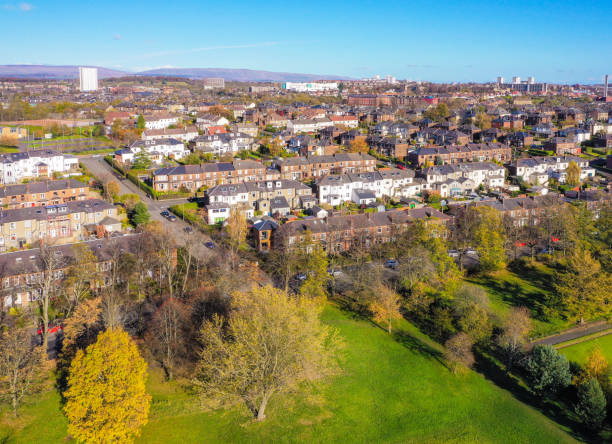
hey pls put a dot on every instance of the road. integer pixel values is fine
(102, 170)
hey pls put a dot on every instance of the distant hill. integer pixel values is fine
(240, 75)
(53, 72)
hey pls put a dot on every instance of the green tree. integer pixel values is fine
(140, 123)
(142, 161)
(489, 239)
(140, 214)
(583, 287)
(591, 406)
(548, 370)
(471, 306)
(106, 400)
(573, 174)
(269, 344)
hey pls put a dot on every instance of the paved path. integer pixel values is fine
(575, 333)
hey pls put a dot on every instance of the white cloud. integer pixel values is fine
(24, 7)
(117, 37)
(208, 48)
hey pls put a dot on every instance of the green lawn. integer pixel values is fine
(392, 390)
(527, 287)
(579, 352)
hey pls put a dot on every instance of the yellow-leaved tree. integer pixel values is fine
(269, 344)
(106, 400)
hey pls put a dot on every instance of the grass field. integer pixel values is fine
(579, 352)
(391, 390)
(523, 287)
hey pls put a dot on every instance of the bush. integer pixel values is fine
(591, 406)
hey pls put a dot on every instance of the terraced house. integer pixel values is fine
(15, 167)
(472, 152)
(68, 222)
(299, 168)
(341, 233)
(538, 170)
(194, 177)
(48, 192)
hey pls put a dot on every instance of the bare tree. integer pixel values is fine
(19, 364)
(166, 330)
(44, 283)
(458, 352)
(516, 328)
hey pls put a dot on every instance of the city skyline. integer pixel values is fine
(447, 43)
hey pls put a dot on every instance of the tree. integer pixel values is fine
(166, 331)
(591, 406)
(483, 121)
(386, 306)
(140, 123)
(236, 231)
(140, 214)
(471, 305)
(106, 400)
(314, 264)
(19, 364)
(270, 343)
(596, 366)
(129, 200)
(142, 161)
(358, 145)
(489, 239)
(573, 174)
(515, 330)
(82, 275)
(548, 370)
(111, 189)
(582, 287)
(458, 352)
(275, 148)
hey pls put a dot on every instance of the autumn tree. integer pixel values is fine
(106, 400)
(515, 332)
(358, 145)
(596, 366)
(483, 121)
(458, 352)
(19, 365)
(314, 264)
(275, 148)
(573, 174)
(386, 306)
(236, 229)
(583, 287)
(111, 190)
(269, 344)
(489, 239)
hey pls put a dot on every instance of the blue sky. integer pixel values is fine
(555, 41)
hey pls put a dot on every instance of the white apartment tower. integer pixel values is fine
(88, 78)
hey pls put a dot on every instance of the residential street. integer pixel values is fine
(101, 170)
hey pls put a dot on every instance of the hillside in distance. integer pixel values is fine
(53, 71)
(239, 75)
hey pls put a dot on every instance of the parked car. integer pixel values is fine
(165, 214)
(335, 273)
(301, 276)
(209, 244)
(453, 253)
(391, 263)
(188, 229)
(172, 218)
